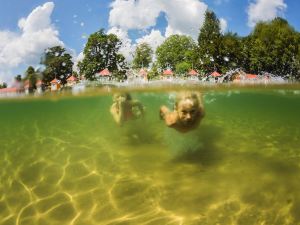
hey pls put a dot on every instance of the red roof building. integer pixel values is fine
(168, 72)
(55, 85)
(27, 84)
(215, 74)
(143, 72)
(39, 83)
(54, 81)
(9, 90)
(251, 76)
(72, 79)
(105, 72)
(193, 73)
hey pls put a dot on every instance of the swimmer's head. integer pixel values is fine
(121, 96)
(188, 107)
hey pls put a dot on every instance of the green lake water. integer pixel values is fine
(64, 160)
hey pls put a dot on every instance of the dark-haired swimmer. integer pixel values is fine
(124, 108)
(188, 112)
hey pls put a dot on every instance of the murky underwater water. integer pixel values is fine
(65, 161)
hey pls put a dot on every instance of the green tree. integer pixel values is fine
(297, 61)
(3, 85)
(274, 47)
(231, 52)
(75, 74)
(58, 64)
(100, 52)
(18, 78)
(154, 72)
(246, 46)
(174, 50)
(183, 67)
(32, 76)
(142, 56)
(209, 42)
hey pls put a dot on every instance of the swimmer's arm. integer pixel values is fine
(170, 118)
(163, 111)
(117, 113)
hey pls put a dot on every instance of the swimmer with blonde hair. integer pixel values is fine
(188, 112)
(124, 108)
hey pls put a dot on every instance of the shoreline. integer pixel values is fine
(108, 89)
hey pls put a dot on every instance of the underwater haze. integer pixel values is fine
(64, 160)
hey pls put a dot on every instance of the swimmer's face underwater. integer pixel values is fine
(188, 111)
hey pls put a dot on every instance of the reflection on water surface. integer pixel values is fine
(68, 162)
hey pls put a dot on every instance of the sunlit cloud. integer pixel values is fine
(133, 14)
(143, 14)
(223, 24)
(265, 10)
(154, 39)
(25, 47)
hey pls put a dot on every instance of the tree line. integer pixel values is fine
(272, 47)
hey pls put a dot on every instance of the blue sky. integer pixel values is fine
(27, 27)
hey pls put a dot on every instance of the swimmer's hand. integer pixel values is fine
(164, 112)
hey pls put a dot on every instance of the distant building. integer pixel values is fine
(9, 92)
(251, 76)
(214, 77)
(266, 77)
(27, 87)
(71, 81)
(241, 76)
(55, 85)
(18, 85)
(104, 75)
(39, 86)
(167, 74)
(143, 75)
(236, 78)
(192, 75)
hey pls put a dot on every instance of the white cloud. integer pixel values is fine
(25, 47)
(223, 24)
(38, 19)
(127, 47)
(133, 14)
(183, 16)
(154, 39)
(76, 60)
(264, 10)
